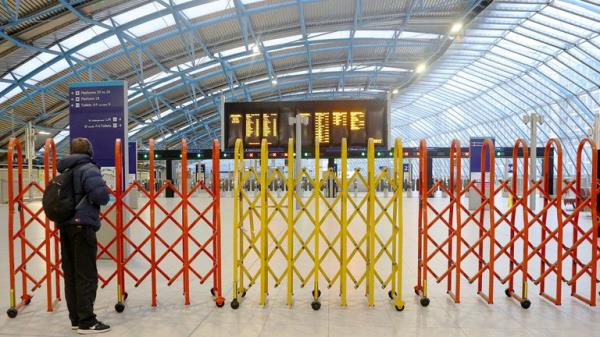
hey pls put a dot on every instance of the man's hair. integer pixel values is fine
(82, 145)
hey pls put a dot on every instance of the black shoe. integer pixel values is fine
(74, 325)
(99, 327)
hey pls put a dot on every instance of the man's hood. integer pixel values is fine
(73, 160)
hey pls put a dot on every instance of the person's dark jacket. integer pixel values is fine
(87, 182)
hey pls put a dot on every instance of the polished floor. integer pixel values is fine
(471, 318)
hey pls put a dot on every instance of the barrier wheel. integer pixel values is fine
(119, 307)
(392, 294)
(399, 308)
(220, 302)
(244, 294)
(424, 301)
(316, 305)
(213, 292)
(235, 304)
(318, 293)
(508, 292)
(525, 304)
(417, 291)
(125, 295)
(12, 312)
(28, 301)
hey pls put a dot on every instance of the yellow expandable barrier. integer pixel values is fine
(315, 238)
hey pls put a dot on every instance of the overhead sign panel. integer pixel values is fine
(98, 111)
(329, 122)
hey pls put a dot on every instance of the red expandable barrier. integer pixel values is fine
(195, 233)
(505, 242)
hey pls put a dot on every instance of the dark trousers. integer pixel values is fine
(79, 249)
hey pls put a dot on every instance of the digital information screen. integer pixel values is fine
(329, 122)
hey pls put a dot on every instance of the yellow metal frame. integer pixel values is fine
(379, 211)
(264, 168)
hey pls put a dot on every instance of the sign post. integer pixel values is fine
(98, 111)
(298, 121)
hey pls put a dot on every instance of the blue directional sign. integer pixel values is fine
(475, 148)
(98, 111)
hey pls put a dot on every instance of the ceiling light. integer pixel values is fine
(395, 91)
(456, 28)
(44, 133)
(421, 68)
(256, 49)
(274, 81)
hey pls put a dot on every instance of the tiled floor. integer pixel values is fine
(471, 318)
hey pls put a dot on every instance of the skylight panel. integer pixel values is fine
(282, 40)
(327, 69)
(81, 37)
(207, 8)
(233, 51)
(295, 73)
(10, 94)
(61, 136)
(136, 129)
(394, 69)
(342, 34)
(418, 36)
(374, 34)
(43, 74)
(136, 13)
(152, 25)
(248, 2)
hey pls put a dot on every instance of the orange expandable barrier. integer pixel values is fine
(515, 244)
(195, 219)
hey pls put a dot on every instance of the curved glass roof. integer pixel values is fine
(514, 59)
(180, 56)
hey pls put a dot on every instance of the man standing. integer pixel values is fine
(78, 237)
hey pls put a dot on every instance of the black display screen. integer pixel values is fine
(328, 122)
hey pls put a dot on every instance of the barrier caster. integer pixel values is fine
(213, 292)
(424, 301)
(316, 305)
(399, 308)
(220, 302)
(525, 304)
(417, 291)
(28, 301)
(235, 304)
(125, 295)
(119, 307)
(508, 292)
(391, 294)
(318, 293)
(12, 312)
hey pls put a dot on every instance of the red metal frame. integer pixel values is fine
(192, 215)
(487, 250)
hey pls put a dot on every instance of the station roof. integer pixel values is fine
(179, 56)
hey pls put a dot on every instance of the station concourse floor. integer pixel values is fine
(471, 318)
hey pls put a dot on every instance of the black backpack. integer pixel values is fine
(59, 197)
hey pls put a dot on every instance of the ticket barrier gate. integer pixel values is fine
(196, 221)
(518, 244)
(356, 238)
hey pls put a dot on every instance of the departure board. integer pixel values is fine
(252, 135)
(329, 122)
(270, 128)
(339, 125)
(322, 127)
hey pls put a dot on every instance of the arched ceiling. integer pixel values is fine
(180, 56)
(515, 58)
